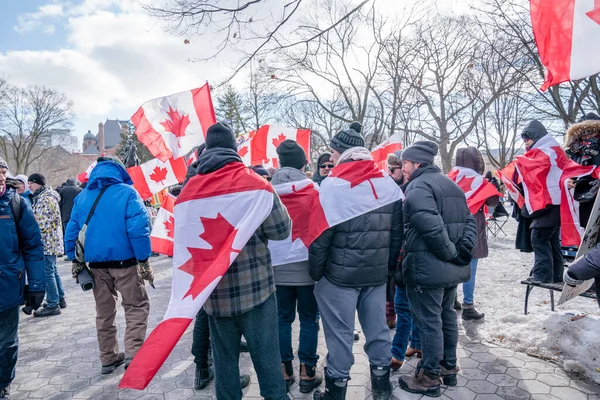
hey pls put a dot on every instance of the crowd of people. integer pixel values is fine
(396, 267)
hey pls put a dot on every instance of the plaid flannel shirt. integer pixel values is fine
(249, 281)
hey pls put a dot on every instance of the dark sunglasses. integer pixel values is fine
(326, 166)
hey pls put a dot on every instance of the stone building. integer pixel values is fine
(107, 139)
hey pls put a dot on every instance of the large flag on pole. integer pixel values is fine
(352, 189)
(567, 34)
(390, 145)
(477, 189)
(265, 141)
(163, 229)
(155, 175)
(298, 198)
(545, 170)
(215, 216)
(171, 126)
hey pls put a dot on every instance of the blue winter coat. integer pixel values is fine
(20, 254)
(120, 227)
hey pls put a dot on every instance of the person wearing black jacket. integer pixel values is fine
(440, 235)
(585, 268)
(67, 199)
(351, 263)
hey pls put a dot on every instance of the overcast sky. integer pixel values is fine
(108, 56)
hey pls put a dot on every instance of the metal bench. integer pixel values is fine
(552, 287)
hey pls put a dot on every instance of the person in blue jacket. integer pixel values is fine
(21, 255)
(116, 251)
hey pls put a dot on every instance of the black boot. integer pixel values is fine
(457, 305)
(203, 377)
(469, 313)
(380, 383)
(334, 390)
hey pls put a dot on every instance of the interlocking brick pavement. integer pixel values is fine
(58, 359)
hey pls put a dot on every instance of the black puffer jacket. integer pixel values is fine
(360, 252)
(436, 216)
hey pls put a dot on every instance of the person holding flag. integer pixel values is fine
(352, 260)
(290, 258)
(470, 161)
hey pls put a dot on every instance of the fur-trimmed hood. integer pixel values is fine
(588, 124)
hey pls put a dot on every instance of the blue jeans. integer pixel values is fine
(469, 287)
(259, 327)
(288, 297)
(433, 312)
(9, 345)
(405, 326)
(54, 288)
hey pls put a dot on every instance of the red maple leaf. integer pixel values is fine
(177, 124)
(595, 13)
(299, 213)
(357, 173)
(243, 151)
(169, 226)
(206, 265)
(158, 174)
(466, 183)
(278, 140)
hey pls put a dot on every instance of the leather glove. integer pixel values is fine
(463, 254)
(76, 268)
(35, 299)
(569, 280)
(145, 272)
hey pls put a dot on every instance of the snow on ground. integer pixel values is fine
(573, 342)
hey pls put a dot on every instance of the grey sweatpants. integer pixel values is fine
(337, 306)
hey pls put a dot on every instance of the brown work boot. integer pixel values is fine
(396, 364)
(309, 378)
(421, 383)
(288, 374)
(448, 374)
(410, 352)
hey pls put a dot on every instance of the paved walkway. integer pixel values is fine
(58, 359)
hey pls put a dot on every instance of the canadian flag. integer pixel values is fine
(163, 230)
(390, 145)
(172, 126)
(477, 189)
(567, 34)
(245, 150)
(215, 216)
(85, 175)
(266, 140)
(155, 175)
(544, 170)
(513, 191)
(192, 158)
(298, 198)
(352, 189)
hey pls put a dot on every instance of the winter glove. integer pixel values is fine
(34, 299)
(145, 272)
(463, 254)
(570, 280)
(76, 268)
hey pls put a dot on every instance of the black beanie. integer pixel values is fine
(260, 170)
(348, 138)
(37, 178)
(291, 154)
(421, 152)
(220, 135)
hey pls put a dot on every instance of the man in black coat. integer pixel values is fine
(440, 234)
(67, 199)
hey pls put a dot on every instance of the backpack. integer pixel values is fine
(15, 205)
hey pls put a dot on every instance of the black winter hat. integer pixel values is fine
(348, 138)
(534, 130)
(37, 178)
(590, 117)
(260, 170)
(422, 152)
(220, 135)
(291, 154)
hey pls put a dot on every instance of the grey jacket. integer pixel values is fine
(294, 274)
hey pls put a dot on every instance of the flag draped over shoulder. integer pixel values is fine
(567, 35)
(298, 198)
(544, 171)
(171, 126)
(390, 145)
(215, 216)
(477, 189)
(505, 176)
(352, 189)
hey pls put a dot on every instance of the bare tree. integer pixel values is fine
(29, 120)
(261, 99)
(255, 28)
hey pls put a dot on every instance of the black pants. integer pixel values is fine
(201, 339)
(548, 265)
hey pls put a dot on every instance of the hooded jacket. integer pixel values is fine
(46, 209)
(119, 229)
(470, 157)
(67, 199)
(21, 252)
(436, 217)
